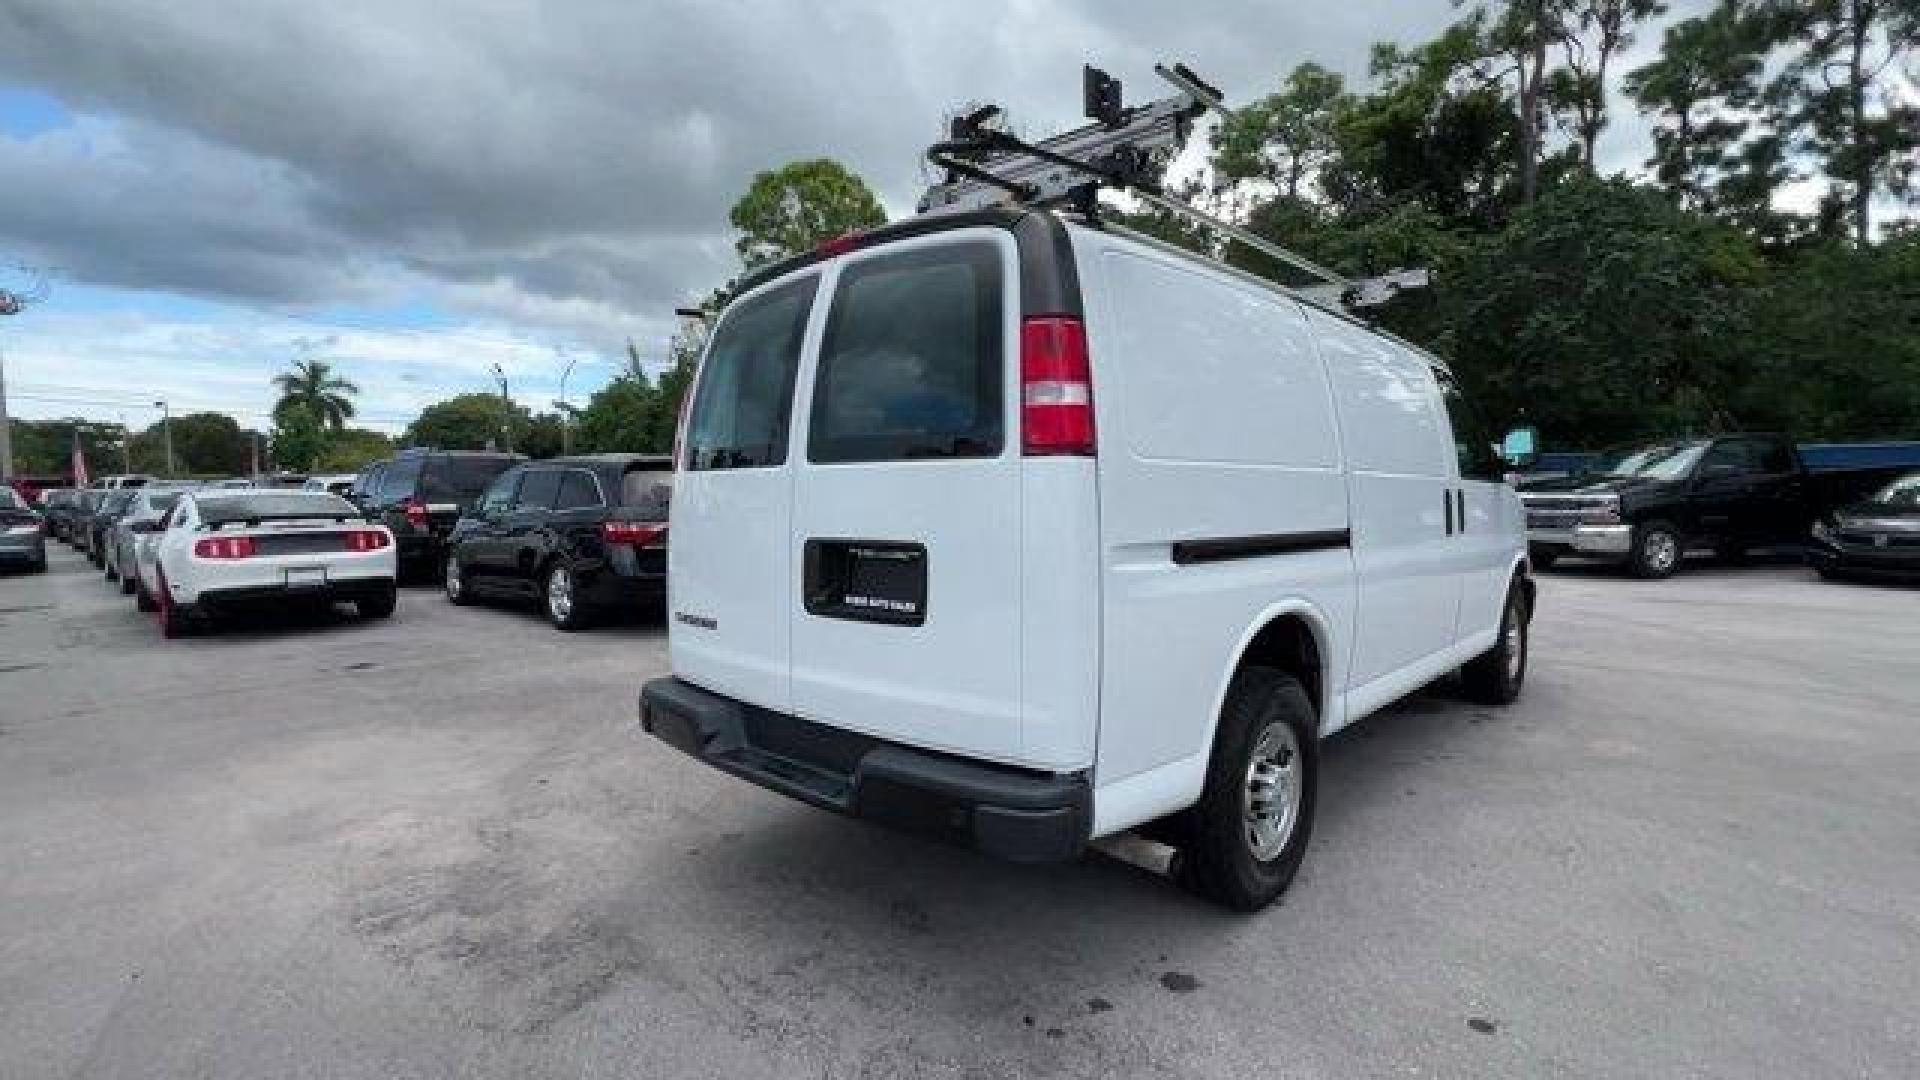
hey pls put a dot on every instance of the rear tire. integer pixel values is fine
(560, 598)
(1247, 835)
(380, 607)
(175, 621)
(1496, 676)
(143, 600)
(454, 582)
(1657, 549)
(128, 586)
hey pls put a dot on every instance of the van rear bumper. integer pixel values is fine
(1013, 814)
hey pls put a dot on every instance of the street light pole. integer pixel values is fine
(506, 410)
(166, 430)
(566, 417)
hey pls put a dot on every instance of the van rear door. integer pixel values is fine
(907, 498)
(731, 569)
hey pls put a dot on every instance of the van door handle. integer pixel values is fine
(1446, 502)
(1460, 512)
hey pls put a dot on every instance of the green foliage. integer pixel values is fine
(299, 441)
(352, 449)
(477, 421)
(619, 417)
(794, 208)
(312, 386)
(45, 447)
(204, 444)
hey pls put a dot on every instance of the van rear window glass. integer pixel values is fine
(460, 479)
(912, 360)
(742, 405)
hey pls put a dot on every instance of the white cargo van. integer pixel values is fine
(1011, 528)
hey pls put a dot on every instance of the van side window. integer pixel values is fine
(745, 396)
(911, 363)
(1472, 439)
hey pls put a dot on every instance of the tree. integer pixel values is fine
(793, 209)
(476, 421)
(1703, 91)
(298, 441)
(1596, 31)
(619, 417)
(204, 444)
(1605, 312)
(1833, 93)
(1283, 138)
(1434, 132)
(1516, 37)
(353, 449)
(311, 385)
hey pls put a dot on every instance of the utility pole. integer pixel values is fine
(166, 431)
(13, 303)
(506, 410)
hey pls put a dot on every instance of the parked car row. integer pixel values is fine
(581, 536)
(195, 553)
(1644, 506)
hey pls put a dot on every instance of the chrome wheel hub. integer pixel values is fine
(1271, 803)
(1516, 643)
(1662, 550)
(560, 593)
(453, 582)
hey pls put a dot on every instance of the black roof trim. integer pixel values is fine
(1049, 283)
(920, 225)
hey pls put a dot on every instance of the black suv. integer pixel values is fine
(420, 494)
(579, 534)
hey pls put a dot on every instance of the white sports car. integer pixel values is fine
(222, 550)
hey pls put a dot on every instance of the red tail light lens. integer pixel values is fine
(367, 540)
(634, 533)
(225, 547)
(416, 512)
(1056, 388)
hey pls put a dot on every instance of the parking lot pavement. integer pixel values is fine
(436, 847)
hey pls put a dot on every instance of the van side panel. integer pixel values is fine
(1222, 497)
(1402, 476)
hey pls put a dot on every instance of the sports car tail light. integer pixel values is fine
(367, 540)
(416, 512)
(225, 547)
(637, 534)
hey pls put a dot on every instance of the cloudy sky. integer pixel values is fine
(417, 190)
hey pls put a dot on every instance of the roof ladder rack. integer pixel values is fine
(987, 167)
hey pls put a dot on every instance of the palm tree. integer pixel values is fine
(311, 385)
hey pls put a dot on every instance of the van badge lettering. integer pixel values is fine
(701, 621)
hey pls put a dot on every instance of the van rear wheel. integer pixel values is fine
(1248, 834)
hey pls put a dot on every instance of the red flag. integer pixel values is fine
(80, 478)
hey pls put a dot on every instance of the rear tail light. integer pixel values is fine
(416, 512)
(368, 540)
(634, 533)
(1056, 388)
(225, 547)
